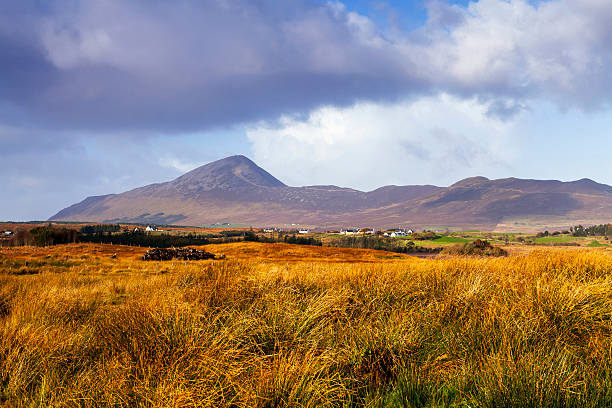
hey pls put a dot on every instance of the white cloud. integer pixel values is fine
(559, 50)
(437, 139)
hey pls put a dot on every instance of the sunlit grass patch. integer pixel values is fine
(295, 326)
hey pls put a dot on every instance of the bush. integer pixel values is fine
(140, 238)
(250, 236)
(92, 229)
(477, 248)
(45, 236)
(293, 239)
(425, 236)
(167, 254)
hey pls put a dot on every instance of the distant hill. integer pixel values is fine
(238, 191)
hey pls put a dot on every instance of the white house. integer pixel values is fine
(150, 228)
(304, 231)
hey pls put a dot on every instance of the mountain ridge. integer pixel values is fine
(236, 190)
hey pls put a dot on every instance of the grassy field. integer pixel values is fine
(288, 325)
(597, 244)
(451, 240)
(559, 238)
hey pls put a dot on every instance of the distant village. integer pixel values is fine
(350, 231)
(398, 232)
(149, 228)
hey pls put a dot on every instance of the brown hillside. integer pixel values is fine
(237, 191)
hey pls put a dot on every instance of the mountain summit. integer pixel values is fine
(236, 190)
(234, 172)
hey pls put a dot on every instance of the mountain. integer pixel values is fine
(236, 190)
(509, 204)
(232, 173)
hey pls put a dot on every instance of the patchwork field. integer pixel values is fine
(290, 325)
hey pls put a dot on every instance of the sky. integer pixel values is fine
(102, 96)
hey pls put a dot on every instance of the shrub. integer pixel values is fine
(140, 238)
(425, 236)
(92, 229)
(478, 248)
(44, 236)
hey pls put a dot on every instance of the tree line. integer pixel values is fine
(284, 238)
(594, 230)
(380, 243)
(93, 229)
(112, 234)
(144, 239)
(43, 236)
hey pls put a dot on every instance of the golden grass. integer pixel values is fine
(277, 325)
(280, 252)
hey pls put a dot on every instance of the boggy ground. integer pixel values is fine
(304, 328)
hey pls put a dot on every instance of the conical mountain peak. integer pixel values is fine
(230, 173)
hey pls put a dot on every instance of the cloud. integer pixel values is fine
(189, 65)
(437, 139)
(194, 65)
(558, 50)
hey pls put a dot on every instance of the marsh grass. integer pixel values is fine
(530, 330)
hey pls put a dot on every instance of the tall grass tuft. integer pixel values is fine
(532, 330)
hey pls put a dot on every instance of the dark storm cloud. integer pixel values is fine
(186, 65)
(193, 65)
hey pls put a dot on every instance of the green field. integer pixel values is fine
(461, 237)
(558, 239)
(451, 240)
(596, 244)
(443, 240)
